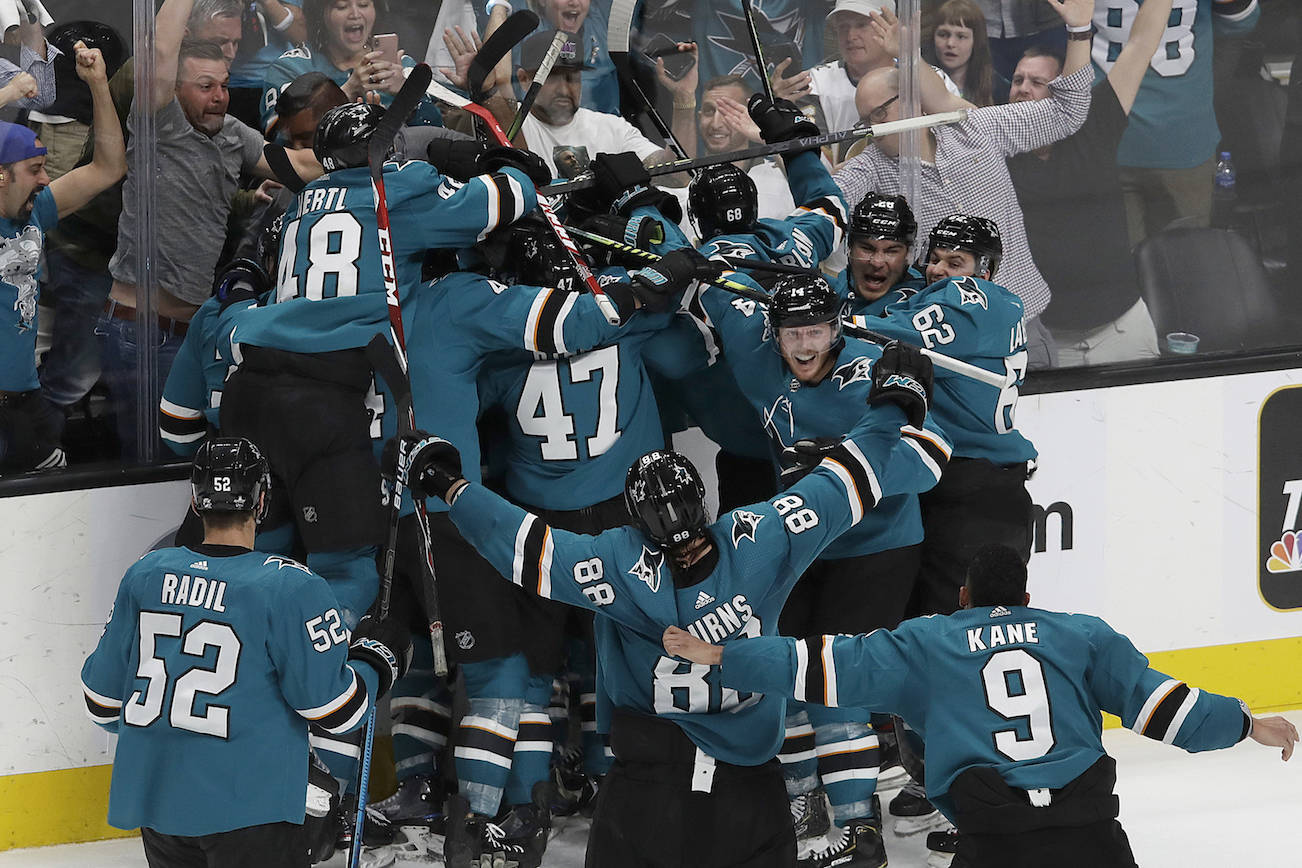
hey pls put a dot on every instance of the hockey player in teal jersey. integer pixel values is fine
(573, 426)
(1008, 699)
(455, 324)
(982, 497)
(963, 314)
(674, 733)
(214, 661)
(807, 384)
(723, 202)
(878, 274)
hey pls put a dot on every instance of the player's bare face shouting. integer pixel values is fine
(877, 264)
(807, 350)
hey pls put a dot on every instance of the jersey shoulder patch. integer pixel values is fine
(281, 562)
(857, 370)
(648, 568)
(723, 247)
(970, 293)
(744, 523)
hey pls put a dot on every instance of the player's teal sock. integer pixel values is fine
(798, 757)
(531, 763)
(848, 760)
(421, 709)
(487, 733)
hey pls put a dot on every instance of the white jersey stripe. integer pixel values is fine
(1178, 721)
(1146, 711)
(517, 562)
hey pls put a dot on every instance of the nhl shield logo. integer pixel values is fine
(744, 523)
(647, 568)
(465, 640)
(857, 370)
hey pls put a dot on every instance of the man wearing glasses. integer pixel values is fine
(963, 167)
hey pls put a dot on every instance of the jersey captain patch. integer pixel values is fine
(647, 568)
(743, 526)
(857, 370)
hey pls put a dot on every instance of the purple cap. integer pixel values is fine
(18, 143)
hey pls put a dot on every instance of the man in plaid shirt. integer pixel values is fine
(963, 167)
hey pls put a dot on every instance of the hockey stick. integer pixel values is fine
(761, 68)
(621, 20)
(539, 79)
(510, 33)
(848, 326)
(889, 128)
(577, 261)
(377, 150)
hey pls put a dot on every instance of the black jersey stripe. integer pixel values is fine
(1160, 720)
(856, 465)
(531, 558)
(99, 712)
(829, 206)
(545, 330)
(934, 448)
(346, 715)
(510, 203)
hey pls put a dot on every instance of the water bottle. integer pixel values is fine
(1223, 192)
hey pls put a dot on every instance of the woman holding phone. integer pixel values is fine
(341, 44)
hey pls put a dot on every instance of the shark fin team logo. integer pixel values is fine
(647, 568)
(970, 293)
(857, 370)
(744, 523)
(281, 562)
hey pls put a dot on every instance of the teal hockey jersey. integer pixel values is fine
(981, 323)
(330, 286)
(214, 661)
(1016, 689)
(627, 581)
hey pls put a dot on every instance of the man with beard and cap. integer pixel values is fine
(30, 204)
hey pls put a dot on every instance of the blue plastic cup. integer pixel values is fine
(1182, 343)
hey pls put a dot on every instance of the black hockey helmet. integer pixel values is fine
(722, 199)
(880, 216)
(975, 235)
(230, 475)
(527, 252)
(665, 496)
(344, 133)
(802, 300)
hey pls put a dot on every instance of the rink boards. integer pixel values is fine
(1148, 504)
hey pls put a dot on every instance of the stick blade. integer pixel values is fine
(511, 33)
(404, 105)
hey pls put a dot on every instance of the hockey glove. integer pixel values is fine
(623, 185)
(499, 157)
(385, 645)
(456, 158)
(433, 464)
(242, 281)
(903, 376)
(780, 120)
(641, 231)
(803, 456)
(658, 285)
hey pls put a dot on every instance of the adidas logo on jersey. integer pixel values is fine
(199, 565)
(999, 612)
(703, 599)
